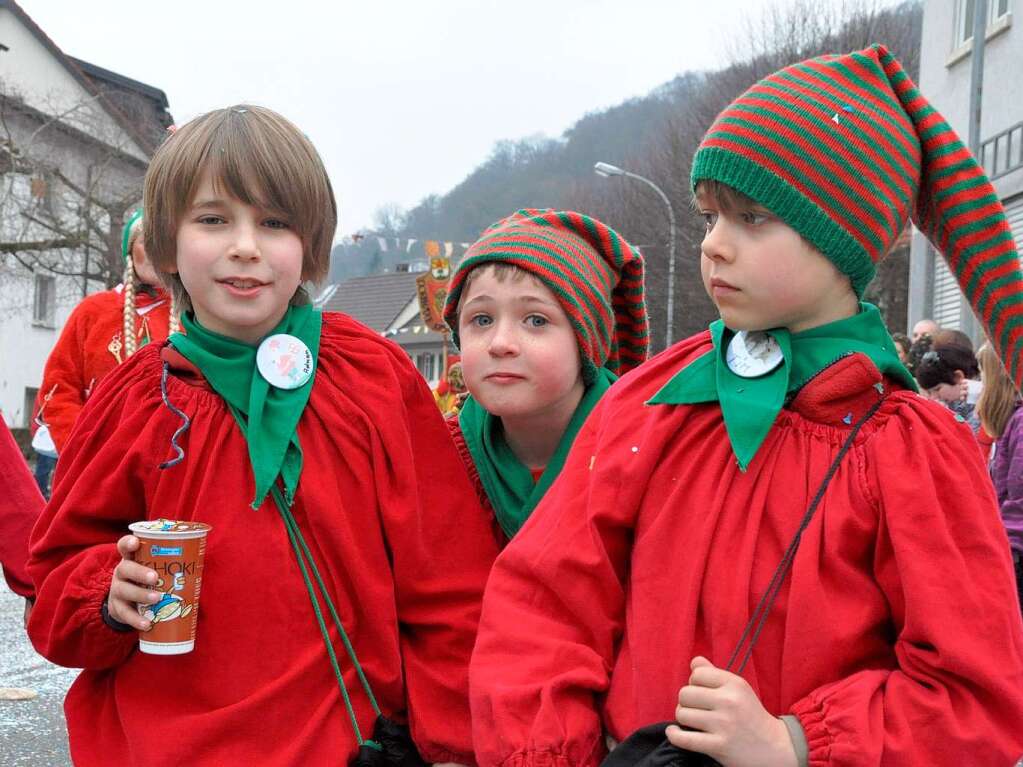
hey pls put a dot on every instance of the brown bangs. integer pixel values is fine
(726, 199)
(255, 155)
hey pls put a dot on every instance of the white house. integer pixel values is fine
(75, 140)
(947, 42)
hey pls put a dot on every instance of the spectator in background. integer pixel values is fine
(103, 330)
(949, 374)
(925, 328)
(952, 337)
(917, 350)
(902, 346)
(1002, 417)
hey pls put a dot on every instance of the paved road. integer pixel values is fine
(32, 732)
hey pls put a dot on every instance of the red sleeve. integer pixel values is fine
(64, 376)
(552, 615)
(100, 488)
(20, 506)
(442, 551)
(956, 696)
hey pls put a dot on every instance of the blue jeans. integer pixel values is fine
(44, 470)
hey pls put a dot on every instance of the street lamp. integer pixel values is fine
(607, 170)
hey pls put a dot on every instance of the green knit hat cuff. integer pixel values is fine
(813, 225)
(788, 204)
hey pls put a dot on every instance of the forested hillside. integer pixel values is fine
(654, 135)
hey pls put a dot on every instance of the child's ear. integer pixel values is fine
(959, 376)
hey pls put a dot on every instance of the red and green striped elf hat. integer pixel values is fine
(845, 149)
(595, 274)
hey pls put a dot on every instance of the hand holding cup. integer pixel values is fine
(131, 586)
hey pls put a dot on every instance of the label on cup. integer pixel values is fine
(175, 551)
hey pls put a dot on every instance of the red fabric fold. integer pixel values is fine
(20, 506)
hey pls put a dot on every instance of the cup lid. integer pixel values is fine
(170, 528)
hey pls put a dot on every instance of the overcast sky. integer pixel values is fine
(401, 98)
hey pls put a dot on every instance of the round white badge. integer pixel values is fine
(753, 354)
(284, 361)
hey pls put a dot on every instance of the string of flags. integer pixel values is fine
(405, 244)
(433, 248)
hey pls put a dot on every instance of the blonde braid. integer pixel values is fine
(173, 321)
(129, 308)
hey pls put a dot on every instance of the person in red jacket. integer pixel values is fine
(300, 437)
(895, 637)
(547, 309)
(102, 332)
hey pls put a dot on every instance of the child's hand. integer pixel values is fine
(128, 587)
(728, 722)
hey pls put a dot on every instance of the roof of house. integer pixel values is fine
(97, 82)
(374, 300)
(145, 105)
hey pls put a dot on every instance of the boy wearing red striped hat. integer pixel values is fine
(764, 534)
(547, 310)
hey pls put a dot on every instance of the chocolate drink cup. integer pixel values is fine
(176, 551)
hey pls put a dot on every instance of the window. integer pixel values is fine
(427, 365)
(996, 11)
(45, 305)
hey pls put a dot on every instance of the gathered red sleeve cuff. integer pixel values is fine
(956, 695)
(67, 626)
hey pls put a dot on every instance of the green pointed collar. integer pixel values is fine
(507, 481)
(750, 406)
(267, 415)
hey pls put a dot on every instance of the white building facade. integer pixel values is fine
(945, 76)
(71, 157)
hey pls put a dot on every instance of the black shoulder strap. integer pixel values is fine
(759, 616)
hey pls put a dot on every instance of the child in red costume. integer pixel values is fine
(895, 638)
(102, 332)
(547, 310)
(333, 432)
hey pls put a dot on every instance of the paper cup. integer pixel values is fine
(175, 550)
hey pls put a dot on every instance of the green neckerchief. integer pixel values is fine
(750, 406)
(507, 481)
(272, 413)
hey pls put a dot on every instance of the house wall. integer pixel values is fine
(945, 75)
(30, 71)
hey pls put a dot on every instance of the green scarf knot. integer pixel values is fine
(507, 481)
(272, 414)
(750, 406)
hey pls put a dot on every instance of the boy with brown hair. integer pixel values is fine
(547, 309)
(311, 445)
(764, 533)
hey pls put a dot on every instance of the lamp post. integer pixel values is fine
(606, 170)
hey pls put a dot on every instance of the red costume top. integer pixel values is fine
(386, 509)
(89, 347)
(896, 638)
(20, 505)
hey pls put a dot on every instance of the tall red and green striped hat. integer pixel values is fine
(845, 150)
(595, 274)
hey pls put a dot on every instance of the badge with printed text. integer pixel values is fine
(751, 354)
(284, 361)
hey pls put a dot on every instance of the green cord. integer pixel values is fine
(290, 521)
(302, 554)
